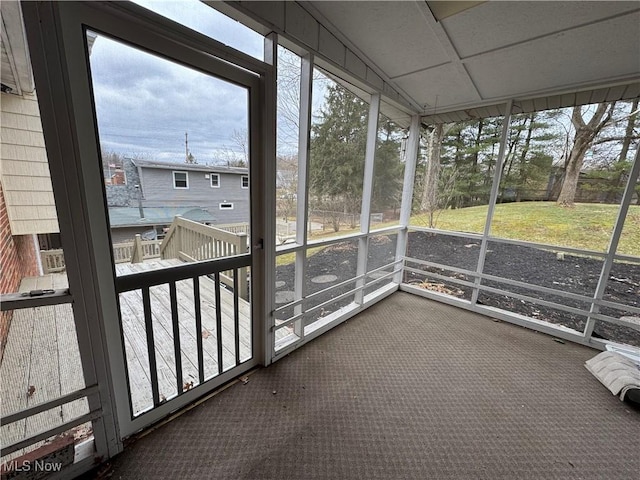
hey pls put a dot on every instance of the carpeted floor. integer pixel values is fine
(409, 389)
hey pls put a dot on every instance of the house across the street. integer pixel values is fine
(153, 192)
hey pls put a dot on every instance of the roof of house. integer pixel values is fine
(190, 167)
(130, 216)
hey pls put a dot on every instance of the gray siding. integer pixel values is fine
(158, 191)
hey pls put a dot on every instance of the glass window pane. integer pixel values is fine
(183, 150)
(441, 250)
(327, 267)
(207, 20)
(288, 119)
(336, 170)
(455, 173)
(388, 174)
(39, 351)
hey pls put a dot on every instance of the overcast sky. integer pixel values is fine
(145, 104)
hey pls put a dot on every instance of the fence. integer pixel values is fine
(328, 218)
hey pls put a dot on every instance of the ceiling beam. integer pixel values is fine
(450, 50)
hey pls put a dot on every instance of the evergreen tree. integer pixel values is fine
(338, 142)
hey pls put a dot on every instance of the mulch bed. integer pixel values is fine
(535, 266)
(567, 273)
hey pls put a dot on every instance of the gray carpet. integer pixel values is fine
(409, 389)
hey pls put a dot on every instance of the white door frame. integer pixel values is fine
(64, 89)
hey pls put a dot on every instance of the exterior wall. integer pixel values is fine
(124, 195)
(159, 192)
(25, 171)
(18, 260)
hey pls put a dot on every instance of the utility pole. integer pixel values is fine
(186, 147)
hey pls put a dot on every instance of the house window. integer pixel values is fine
(180, 180)
(215, 180)
(244, 181)
(226, 206)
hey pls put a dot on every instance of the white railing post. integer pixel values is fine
(492, 200)
(367, 194)
(137, 255)
(242, 283)
(411, 160)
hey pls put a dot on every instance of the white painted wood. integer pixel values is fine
(506, 121)
(411, 160)
(367, 193)
(331, 47)
(301, 25)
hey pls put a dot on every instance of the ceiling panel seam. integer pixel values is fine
(447, 44)
(551, 34)
(421, 70)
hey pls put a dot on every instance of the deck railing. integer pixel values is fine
(235, 228)
(53, 260)
(192, 242)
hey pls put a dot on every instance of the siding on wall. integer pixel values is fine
(25, 171)
(159, 192)
(18, 260)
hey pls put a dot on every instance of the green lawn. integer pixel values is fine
(586, 226)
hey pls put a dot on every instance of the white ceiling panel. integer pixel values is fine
(577, 57)
(438, 86)
(493, 25)
(393, 35)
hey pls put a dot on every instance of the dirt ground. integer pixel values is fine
(568, 273)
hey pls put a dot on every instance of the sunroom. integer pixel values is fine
(465, 169)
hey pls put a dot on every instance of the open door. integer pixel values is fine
(171, 216)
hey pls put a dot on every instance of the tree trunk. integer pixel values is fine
(429, 201)
(585, 133)
(631, 123)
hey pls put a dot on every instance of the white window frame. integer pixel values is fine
(242, 177)
(220, 206)
(186, 174)
(216, 175)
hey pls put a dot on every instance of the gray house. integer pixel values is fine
(221, 191)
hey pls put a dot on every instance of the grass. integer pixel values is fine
(587, 226)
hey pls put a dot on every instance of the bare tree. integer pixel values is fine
(584, 136)
(429, 201)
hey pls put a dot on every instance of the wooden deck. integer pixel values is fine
(41, 362)
(42, 348)
(135, 335)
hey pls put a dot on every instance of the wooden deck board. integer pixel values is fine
(44, 373)
(42, 348)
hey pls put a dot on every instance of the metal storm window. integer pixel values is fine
(215, 180)
(180, 180)
(226, 206)
(244, 181)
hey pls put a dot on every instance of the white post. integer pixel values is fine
(302, 214)
(492, 199)
(411, 160)
(367, 193)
